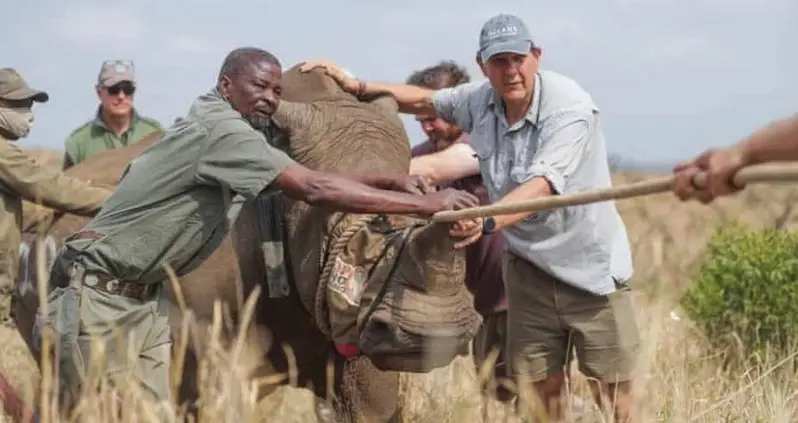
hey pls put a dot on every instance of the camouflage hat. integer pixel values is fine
(113, 72)
(14, 87)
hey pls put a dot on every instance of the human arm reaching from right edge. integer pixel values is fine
(776, 141)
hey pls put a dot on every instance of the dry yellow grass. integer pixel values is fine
(679, 378)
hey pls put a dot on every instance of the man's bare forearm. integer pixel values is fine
(344, 194)
(456, 162)
(410, 98)
(777, 141)
(354, 197)
(379, 181)
(534, 188)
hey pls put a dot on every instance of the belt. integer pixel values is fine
(113, 286)
(107, 283)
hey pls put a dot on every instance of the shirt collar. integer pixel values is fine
(496, 104)
(98, 118)
(215, 94)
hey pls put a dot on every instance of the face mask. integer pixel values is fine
(16, 121)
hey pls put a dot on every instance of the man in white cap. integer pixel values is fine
(537, 133)
(117, 123)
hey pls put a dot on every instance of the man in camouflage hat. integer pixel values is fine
(22, 177)
(117, 123)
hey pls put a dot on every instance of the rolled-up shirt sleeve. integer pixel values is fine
(563, 144)
(455, 105)
(244, 161)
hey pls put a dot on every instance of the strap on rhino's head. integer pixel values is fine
(397, 292)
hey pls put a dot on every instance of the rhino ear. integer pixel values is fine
(385, 103)
(300, 125)
(291, 117)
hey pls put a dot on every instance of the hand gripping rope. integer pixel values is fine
(772, 172)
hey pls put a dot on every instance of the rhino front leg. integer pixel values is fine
(361, 392)
(372, 395)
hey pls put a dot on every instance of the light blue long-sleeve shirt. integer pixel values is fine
(560, 139)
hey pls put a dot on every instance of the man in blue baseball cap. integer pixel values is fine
(504, 34)
(536, 133)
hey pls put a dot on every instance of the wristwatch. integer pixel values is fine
(488, 225)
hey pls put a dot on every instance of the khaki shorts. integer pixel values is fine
(549, 320)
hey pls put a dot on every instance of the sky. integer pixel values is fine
(671, 77)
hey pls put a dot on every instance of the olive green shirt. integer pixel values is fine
(172, 202)
(94, 136)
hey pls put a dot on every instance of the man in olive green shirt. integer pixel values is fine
(117, 122)
(170, 208)
(22, 177)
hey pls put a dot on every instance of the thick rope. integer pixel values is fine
(320, 309)
(753, 174)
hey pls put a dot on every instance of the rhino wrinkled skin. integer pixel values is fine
(341, 135)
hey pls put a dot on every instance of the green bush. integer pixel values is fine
(746, 290)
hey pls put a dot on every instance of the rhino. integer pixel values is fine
(413, 312)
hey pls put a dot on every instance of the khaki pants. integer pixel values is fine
(549, 320)
(81, 315)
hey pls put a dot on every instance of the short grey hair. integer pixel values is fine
(239, 58)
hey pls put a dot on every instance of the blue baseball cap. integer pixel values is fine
(504, 33)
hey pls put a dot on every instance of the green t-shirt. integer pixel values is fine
(93, 137)
(172, 202)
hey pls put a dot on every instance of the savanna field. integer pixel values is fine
(681, 377)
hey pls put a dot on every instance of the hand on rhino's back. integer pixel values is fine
(331, 130)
